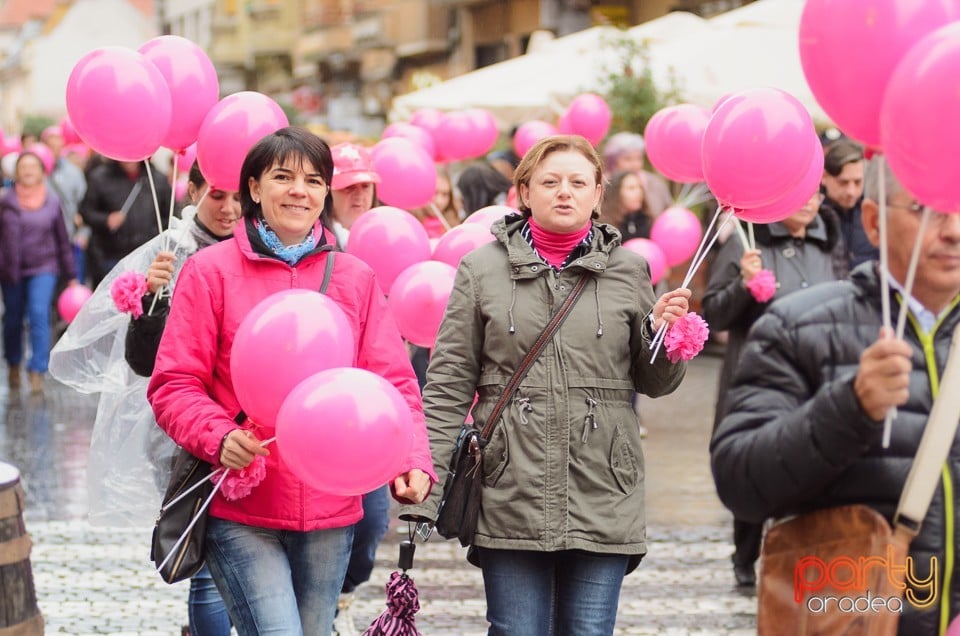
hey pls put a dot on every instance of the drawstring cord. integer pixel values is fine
(525, 407)
(596, 292)
(590, 420)
(513, 299)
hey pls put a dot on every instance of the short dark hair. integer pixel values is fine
(195, 176)
(277, 148)
(840, 153)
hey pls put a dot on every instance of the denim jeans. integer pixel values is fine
(569, 593)
(29, 298)
(278, 581)
(207, 611)
(367, 535)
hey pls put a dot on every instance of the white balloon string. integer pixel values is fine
(753, 239)
(193, 521)
(173, 197)
(744, 241)
(197, 205)
(904, 307)
(884, 281)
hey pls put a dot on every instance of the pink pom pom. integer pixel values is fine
(686, 337)
(127, 292)
(240, 483)
(763, 286)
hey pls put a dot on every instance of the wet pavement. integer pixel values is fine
(93, 580)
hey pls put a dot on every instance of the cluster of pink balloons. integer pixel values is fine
(126, 104)
(450, 136)
(896, 88)
(340, 429)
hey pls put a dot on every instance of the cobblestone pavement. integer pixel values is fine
(93, 580)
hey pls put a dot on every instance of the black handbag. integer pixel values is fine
(191, 476)
(459, 507)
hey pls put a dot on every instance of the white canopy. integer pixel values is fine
(750, 47)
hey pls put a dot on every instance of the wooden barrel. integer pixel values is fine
(19, 614)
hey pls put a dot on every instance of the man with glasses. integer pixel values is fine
(818, 374)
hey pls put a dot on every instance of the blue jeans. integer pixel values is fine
(207, 611)
(551, 593)
(280, 582)
(29, 298)
(367, 535)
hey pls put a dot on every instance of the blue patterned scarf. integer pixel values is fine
(290, 254)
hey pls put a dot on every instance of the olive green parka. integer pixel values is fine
(564, 468)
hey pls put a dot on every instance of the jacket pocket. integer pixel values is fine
(624, 463)
(496, 456)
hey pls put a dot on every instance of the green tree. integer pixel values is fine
(628, 87)
(35, 124)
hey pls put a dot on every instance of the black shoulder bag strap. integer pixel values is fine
(327, 275)
(521, 371)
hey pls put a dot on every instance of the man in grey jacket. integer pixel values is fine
(818, 374)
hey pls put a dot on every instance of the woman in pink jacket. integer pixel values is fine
(279, 554)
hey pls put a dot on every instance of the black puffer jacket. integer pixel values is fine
(795, 438)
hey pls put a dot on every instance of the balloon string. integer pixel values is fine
(753, 239)
(744, 240)
(884, 281)
(173, 196)
(904, 306)
(193, 521)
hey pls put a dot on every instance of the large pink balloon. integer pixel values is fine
(678, 232)
(192, 80)
(71, 301)
(652, 253)
(485, 131)
(389, 240)
(287, 337)
(416, 134)
(345, 431)
(230, 130)
(418, 299)
(674, 138)
(795, 199)
(486, 216)
(460, 241)
(429, 119)
(408, 177)
(756, 146)
(119, 103)
(588, 115)
(849, 50)
(919, 124)
(530, 133)
(454, 136)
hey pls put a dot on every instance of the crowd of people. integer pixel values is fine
(562, 520)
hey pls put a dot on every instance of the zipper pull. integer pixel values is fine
(590, 420)
(523, 403)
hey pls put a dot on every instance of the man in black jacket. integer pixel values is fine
(818, 374)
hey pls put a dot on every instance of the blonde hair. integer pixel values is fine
(557, 143)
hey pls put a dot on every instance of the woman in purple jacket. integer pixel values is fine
(34, 251)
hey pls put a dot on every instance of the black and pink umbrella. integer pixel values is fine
(403, 600)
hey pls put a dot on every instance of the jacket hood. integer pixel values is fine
(524, 263)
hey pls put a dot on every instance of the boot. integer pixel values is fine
(36, 382)
(13, 377)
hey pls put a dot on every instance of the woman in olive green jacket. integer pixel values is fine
(562, 514)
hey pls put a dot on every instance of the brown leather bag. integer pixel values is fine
(794, 578)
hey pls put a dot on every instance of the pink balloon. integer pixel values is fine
(871, 38)
(486, 216)
(230, 130)
(674, 138)
(186, 157)
(119, 103)
(287, 337)
(756, 147)
(192, 80)
(454, 136)
(485, 131)
(460, 241)
(563, 124)
(589, 116)
(652, 253)
(45, 154)
(12, 143)
(795, 199)
(389, 240)
(917, 141)
(418, 299)
(180, 189)
(953, 629)
(71, 301)
(529, 134)
(429, 119)
(70, 136)
(345, 431)
(408, 177)
(677, 231)
(416, 134)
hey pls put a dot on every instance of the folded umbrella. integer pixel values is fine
(403, 600)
